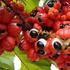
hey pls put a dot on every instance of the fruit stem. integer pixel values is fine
(25, 26)
(9, 7)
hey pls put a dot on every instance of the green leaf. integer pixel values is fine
(23, 67)
(39, 65)
(30, 4)
(6, 61)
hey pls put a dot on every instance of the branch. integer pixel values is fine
(24, 24)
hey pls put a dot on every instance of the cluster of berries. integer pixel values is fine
(9, 25)
(43, 33)
(49, 34)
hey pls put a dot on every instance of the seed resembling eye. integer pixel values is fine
(41, 43)
(41, 52)
(33, 33)
(57, 44)
(50, 3)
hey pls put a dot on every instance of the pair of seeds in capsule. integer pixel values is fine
(41, 43)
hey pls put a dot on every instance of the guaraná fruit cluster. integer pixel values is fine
(43, 33)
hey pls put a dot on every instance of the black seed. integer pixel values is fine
(40, 44)
(62, 25)
(20, 25)
(33, 34)
(2, 31)
(57, 46)
(33, 13)
(50, 4)
(42, 52)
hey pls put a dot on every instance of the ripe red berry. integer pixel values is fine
(64, 33)
(68, 15)
(25, 46)
(57, 5)
(8, 43)
(32, 55)
(5, 16)
(14, 30)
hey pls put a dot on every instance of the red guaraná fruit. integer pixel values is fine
(40, 48)
(68, 15)
(60, 62)
(32, 20)
(25, 46)
(57, 5)
(64, 1)
(5, 16)
(14, 29)
(54, 46)
(8, 43)
(67, 63)
(64, 33)
(53, 13)
(37, 26)
(65, 9)
(60, 25)
(17, 7)
(32, 55)
(41, 10)
(56, 25)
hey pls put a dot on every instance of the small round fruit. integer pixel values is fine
(8, 43)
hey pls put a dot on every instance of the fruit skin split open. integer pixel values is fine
(44, 33)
